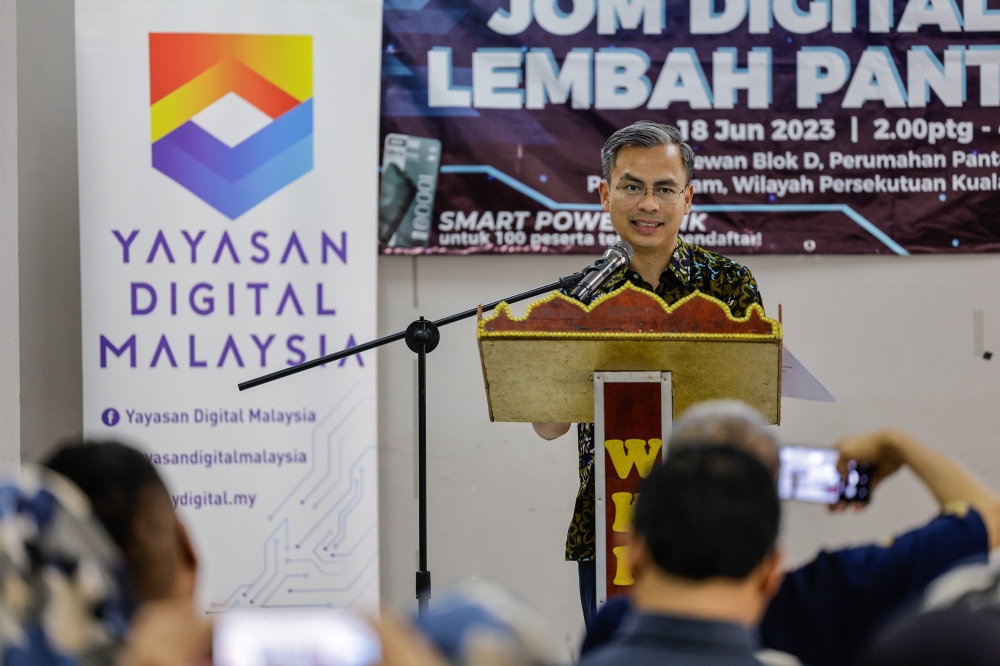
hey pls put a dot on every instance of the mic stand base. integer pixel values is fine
(423, 592)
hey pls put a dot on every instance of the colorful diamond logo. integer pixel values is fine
(231, 115)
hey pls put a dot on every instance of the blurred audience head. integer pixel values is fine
(727, 423)
(947, 637)
(957, 623)
(131, 501)
(482, 624)
(60, 575)
(704, 533)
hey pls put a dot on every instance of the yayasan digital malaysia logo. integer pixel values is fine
(232, 116)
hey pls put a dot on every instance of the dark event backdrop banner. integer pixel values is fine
(831, 126)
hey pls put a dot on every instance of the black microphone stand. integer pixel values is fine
(422, 337)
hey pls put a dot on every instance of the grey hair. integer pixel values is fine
(727, 423)
(647, 134)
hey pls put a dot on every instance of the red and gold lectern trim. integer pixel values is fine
(539, 367)
(630, 312)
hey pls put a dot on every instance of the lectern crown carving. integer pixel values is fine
(538, 367)
(629, 363)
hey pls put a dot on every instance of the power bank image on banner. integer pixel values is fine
(396, 193)
(409, 183)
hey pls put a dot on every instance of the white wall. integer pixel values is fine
(891, 337)
(49, 242)
(10, 417)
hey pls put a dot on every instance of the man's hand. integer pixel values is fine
(550, 430)
(880, 449)
(887, 450)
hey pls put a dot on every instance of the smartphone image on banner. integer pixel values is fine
(810, 475)
(407, 190)
(257, 638)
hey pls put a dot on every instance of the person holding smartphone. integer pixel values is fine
(827, 610)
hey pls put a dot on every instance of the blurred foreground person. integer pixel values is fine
(958, 624)
(472, 624)
(402, 645)
(952, 637)
(703, 556)
(482, 624)
(130, 499)
(61, 577)
(826, 610)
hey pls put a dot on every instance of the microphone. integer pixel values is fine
(615, 257)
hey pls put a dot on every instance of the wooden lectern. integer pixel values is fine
(630, 363)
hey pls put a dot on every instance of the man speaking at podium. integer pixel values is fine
(647, 189)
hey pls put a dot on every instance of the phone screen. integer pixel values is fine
(258, 638)
(810, 475)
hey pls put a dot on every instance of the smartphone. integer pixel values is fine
(810, 475)
(857, 485)
(261, 638)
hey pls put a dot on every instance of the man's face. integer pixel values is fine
(647, 223)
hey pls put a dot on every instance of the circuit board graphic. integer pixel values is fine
(322, 547)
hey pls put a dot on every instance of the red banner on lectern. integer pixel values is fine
(632, 446)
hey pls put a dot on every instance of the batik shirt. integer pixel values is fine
(62, 579)
(691, 269)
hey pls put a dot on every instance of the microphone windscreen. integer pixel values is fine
(623, 248)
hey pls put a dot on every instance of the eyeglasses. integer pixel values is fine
(632, 193)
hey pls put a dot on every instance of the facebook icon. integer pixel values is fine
(110, 417)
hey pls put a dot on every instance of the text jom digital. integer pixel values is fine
(831, 126)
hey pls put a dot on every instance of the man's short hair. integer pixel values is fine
(727, 423)
(708, 511)
(646, 134)
(112, 475)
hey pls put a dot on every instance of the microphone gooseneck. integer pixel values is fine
(615, 257)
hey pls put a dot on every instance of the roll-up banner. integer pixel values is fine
(826, 126)
(228, 189)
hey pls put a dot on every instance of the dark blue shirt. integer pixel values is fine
(665, 640)
(827, 610)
